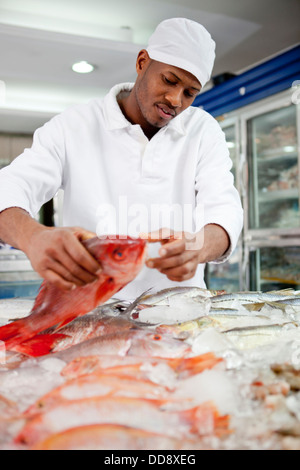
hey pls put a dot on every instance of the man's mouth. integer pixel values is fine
(165, 112)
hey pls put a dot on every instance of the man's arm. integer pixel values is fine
(182, 252)
(55, 253)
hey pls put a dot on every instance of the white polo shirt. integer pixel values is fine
(114, 178)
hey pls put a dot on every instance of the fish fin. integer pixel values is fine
(206, 420)
(64, 323)
(11, 334)
(197, 364)
(40, 345)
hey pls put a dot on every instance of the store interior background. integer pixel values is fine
(40, 40)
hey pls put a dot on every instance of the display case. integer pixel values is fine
(227, 276)
(273, 169)
(17, 278)
(263, 140)
(270, 132)
(274, 264)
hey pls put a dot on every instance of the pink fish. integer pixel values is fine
(121, 260)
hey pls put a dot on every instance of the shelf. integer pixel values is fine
(277, 154)
(270, 196)
(281, 281)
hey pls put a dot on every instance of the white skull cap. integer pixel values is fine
(185, 44)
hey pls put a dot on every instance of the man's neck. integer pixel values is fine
(132, 113)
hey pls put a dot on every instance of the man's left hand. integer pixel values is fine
(180, 253)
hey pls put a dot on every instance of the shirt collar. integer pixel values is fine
(115, 119)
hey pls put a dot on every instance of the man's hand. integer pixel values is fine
(181, 252)
(59, 257)
(55, 253)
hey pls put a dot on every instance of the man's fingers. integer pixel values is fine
(85, 264)
(181, 273)
(57, 280)
(67, 269)
(161, 235)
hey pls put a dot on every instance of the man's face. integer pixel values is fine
(162, 91)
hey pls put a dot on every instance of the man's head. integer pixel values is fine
(162, 91)
(185, 44)
(171, 72)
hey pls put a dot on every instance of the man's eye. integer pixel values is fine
(169, 82)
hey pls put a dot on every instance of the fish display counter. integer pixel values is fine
(180, 369)
(17, 277)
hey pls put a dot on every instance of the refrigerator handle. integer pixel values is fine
(245, 269)
(243, 171)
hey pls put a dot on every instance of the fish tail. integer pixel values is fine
(206, 420)
(40, 345)
(13, 333)
(197, 364)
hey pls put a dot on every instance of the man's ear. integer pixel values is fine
(142, 61)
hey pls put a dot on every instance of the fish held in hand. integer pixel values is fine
(121, 260)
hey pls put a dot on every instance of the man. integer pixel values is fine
(143, 144)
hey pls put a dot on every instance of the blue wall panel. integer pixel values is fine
(264, 80)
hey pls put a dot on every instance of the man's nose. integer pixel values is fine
(174, 97)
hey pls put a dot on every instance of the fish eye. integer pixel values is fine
(118, 254)
(157, 337)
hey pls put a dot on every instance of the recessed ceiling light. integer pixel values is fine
(83, 67)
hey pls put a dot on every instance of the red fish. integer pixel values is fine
(121, 260)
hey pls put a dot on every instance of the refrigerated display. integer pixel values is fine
(227, 276)
(263, 140)
(274, 267)
(272, 224)
(273, 170)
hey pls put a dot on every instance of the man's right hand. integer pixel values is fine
(58, 256)
(55, 253)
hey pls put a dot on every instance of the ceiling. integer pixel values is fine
(39, 41)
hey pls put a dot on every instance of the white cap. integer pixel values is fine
(185, 44)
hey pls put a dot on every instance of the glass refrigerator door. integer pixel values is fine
(273, 170)
(226, 276)
(275, 268)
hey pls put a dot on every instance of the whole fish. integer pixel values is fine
(114, 437)
(79, 330)
(137, 366)
(162, 297)
(96, 385)
(148, 415)
(121, 260)
(172, 297)
(243, 298)
(255, 336)
(136, 342)
(221, 322)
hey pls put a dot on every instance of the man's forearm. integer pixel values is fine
(16, 225)
(216, 242)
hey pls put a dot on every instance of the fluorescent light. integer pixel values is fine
(2, 92)
(289, 148)
(230, 145)
(82, 67)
